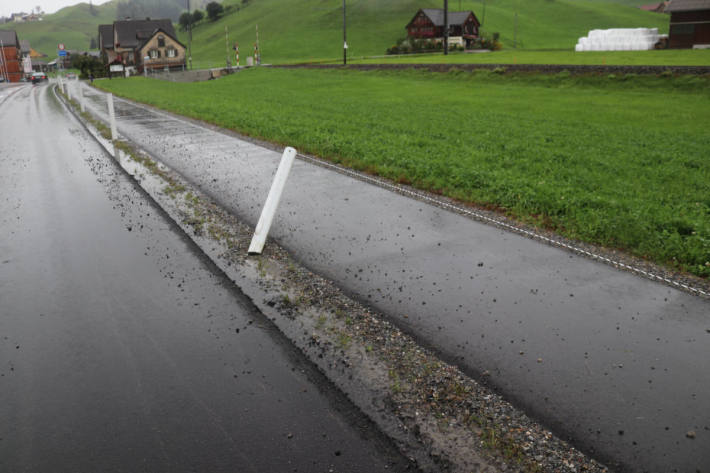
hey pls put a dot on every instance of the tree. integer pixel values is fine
(92, 44)
(197, 15)
(214, 10)
(185, 20)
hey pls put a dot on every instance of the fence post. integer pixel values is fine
(272, 202)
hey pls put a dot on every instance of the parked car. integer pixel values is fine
(71, 76)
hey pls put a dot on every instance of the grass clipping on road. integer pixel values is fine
(618, 161)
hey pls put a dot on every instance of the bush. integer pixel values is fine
(214, 10)
(87, 65)
(413, 45)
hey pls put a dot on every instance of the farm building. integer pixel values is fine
(690, 23)
(129, 42)
(655, 7)
(428, 23)
(10, 65)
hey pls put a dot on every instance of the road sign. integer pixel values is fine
(60, 46)
(62, 52)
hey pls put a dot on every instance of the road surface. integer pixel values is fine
(615, 362)
(123, 349)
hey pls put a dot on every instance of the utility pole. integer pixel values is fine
(226, 45)
(483, 20)
(189, 37)
(515, 29)
(446, 27)
(345, 39)
(258, 49)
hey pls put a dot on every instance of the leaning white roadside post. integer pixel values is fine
(272, 202)
(111, 117)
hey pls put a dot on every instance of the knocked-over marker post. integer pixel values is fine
(272, 202)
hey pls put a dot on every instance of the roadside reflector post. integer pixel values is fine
(272, 202)
(111, 117)
(81, 98)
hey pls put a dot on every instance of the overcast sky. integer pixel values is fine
(7, 7)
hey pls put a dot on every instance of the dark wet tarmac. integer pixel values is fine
(615, 362)
(121, 349)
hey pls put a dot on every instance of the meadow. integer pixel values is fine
(620, 161)
(312, 29)
(664, 57)
(73, 26)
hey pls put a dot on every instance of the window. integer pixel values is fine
(154, 54)
(172, 52)
(161, 41)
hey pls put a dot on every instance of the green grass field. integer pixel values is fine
(666, 57)
(313, 30)
(618, 161)
(74, 26)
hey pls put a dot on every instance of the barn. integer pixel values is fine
(428, 23)
(690, 23)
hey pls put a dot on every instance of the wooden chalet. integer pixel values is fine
(129, 42)
(10, 51)
(428, 23)
(690, 23)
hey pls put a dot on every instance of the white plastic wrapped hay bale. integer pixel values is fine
(619, 39)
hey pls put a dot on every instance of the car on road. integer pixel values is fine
(38, 77)
(71, 76)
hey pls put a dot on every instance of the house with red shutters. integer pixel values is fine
(428, 23)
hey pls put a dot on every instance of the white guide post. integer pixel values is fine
(272, 202)
(68, 90)
(81, 97)
(111, 117)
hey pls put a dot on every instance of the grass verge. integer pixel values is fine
(616, 161)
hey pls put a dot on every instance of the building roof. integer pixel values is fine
(9, 38)
(106, 36)
(655, 7)
(688, 5)
(131, 33)
(159, 30)
(436, 15)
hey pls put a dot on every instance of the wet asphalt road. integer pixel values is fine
(614, 362)
(122, 349)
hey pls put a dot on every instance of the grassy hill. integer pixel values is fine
(297, 30)
(74, 26)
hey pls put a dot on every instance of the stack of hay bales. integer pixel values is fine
(619, 39)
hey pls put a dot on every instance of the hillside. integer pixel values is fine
(74, 26)
(297, 30)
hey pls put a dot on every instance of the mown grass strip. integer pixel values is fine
(617, 161)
